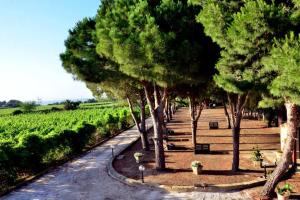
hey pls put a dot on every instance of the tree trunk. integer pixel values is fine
(236, 148)
(170, 111)
(281, 115)
(145, 143)
(141, 127)
(194, 133)
(195, 115)
(236, 141)
(167, 115)
(144, 135)
(236, 118)
(156, 105)
(286, 158)
(174, 108)
(160, 106)
(226, 114)
(158, 141)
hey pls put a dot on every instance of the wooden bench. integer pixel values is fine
(202, 148)
(213, 125)
(168, 146)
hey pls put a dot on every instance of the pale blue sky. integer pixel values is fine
(32, 34)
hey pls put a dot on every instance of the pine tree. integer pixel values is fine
(82, 61)
(284, 65)
(133, 41)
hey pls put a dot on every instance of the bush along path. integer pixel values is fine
(87, 178)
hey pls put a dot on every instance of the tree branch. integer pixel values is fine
(231, 109)
(192, 108)
(245, 101)
(164, 98)
(156, 96)
(200, 110)
(132, 113)
(149, 97)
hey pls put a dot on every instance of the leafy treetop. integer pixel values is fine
(284, 63)
(165, 45)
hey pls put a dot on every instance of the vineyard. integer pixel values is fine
(48, 108)
(31, 142)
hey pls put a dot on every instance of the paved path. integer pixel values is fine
(86, 178)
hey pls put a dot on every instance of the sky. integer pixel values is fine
(32, 34)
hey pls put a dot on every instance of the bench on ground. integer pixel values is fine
(202, 148)
(168, 146)
(213, 125)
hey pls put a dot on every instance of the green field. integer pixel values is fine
(33, 141)
(102, 104)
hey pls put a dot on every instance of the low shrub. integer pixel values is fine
(59, 153)
(17, 112)
(70, 105)
(30, 150)
(8, 173)
(256, 155)
(29, 106)
(55, 109)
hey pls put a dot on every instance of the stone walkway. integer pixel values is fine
(86, 178)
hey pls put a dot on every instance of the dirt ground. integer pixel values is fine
(217, 164)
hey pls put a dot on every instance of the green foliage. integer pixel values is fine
(253, 100)
(268, 102)
(196, 163)
(283, 63)
(100, 74)
(59, 107)
(129, 38)
(17, 112)
(55, 154)
(8, 173)
(285, 190)
(70, 105)
(55, 109)
(165, 45)
(80, 58)
(256, 155)
(245, 31)
(29, 146)
(28, 106)
(182, 102)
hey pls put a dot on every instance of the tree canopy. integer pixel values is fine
(80, 58)
(244, 30)
(162, 46)
(286, 82)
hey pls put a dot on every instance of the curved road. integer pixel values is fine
(86, 178)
